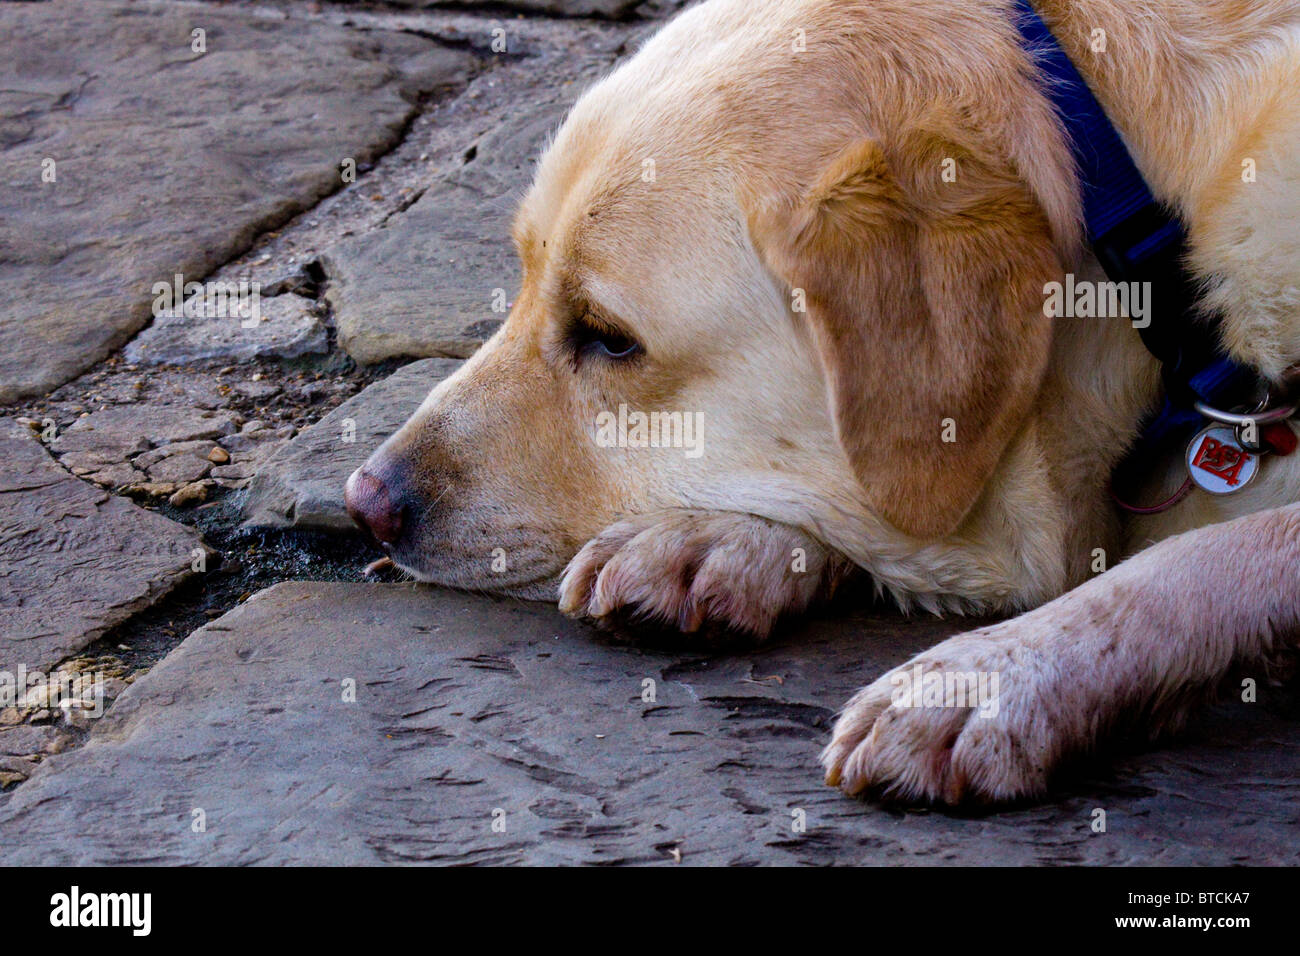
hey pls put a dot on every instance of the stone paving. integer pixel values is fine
(368, 722)
(136, 150)
(354, 723)
(77, 560)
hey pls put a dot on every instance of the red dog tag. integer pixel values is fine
(1278, 438)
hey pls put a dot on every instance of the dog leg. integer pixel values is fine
(691, 568)
(1146, 640)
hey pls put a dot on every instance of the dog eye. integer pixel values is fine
(588, 339)
(615, 346)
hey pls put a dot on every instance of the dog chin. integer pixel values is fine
(536, 589)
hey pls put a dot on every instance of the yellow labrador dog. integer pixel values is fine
(803, 247)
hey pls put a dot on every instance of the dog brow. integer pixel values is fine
(581, 306)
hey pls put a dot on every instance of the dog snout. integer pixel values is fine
(374, 506)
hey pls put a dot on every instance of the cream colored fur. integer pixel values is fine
(771, 166)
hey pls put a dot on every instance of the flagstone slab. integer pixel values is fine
(130, 157)
(439, 277)
(611, 9)
(494, 731)
(285, 327)
(74, 560)
(300, 485)
(111, 435)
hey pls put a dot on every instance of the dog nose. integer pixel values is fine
(371, 505)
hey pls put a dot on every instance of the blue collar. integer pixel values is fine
(1136, 239)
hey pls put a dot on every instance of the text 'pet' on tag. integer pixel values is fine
(1218, 463)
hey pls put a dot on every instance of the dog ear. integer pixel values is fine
(922, 278)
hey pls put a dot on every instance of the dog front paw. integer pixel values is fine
(689, 569)
(979, 718)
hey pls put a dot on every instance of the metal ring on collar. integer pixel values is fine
(1281, 413)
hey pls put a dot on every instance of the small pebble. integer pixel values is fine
(191, 494)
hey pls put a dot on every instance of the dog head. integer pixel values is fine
(820, 267)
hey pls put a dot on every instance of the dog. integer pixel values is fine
(749, 222)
